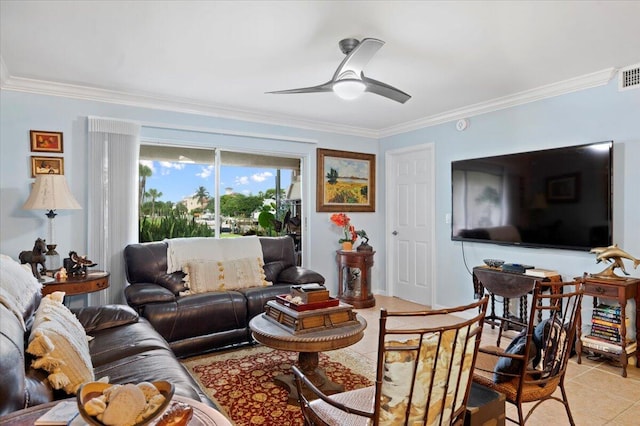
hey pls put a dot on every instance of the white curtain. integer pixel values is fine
(113, 199)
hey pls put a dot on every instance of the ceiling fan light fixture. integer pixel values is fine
(349, 88)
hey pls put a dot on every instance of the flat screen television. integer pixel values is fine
(554, 198)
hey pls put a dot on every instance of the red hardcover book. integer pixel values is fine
(282, 299)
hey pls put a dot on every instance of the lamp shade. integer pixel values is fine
(51, 192)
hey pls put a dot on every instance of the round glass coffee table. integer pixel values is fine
(308, 345)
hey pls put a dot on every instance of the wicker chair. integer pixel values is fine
(423, 372)
(534, 363)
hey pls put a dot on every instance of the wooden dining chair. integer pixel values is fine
(534, 362)
(424, 367)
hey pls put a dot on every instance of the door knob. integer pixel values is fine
(395, 233)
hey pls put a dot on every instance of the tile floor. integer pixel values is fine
(597, 393)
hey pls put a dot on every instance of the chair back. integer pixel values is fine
(551, 332)
(425, 363)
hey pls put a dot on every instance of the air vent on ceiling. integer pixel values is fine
(629, 78)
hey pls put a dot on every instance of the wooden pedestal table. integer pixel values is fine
(203, 415)
(308, 344)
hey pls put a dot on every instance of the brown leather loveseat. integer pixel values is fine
(203, 322)
(124, 347)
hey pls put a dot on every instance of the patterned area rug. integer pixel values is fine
(241, 381)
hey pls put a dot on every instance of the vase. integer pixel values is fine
(347, 246)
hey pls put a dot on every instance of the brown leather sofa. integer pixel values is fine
(125, 347)
(207, 321)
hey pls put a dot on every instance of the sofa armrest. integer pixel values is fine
(138, 295)
(298, 275)
(94, 318)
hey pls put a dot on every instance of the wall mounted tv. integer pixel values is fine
(555, 198)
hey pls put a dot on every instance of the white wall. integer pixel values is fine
(591, 115)
(21, 112)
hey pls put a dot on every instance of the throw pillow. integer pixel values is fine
(206, 276)
(60, 345)
(549, 336)
(510, 366)
(18, 287)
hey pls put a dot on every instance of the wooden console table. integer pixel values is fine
(507, 285)
(354, 282)
(619, 290)
(80, 284)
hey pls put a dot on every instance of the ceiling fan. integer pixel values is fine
(349, 81)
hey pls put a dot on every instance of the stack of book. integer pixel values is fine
(606, 326)
(540, 272)
(310, 293)
(605, 323)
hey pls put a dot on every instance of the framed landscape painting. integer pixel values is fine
(346, 181)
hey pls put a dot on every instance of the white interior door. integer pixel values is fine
(410, 223)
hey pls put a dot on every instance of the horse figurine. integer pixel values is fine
(35, 257)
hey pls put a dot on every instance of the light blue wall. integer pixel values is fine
(591, 115)
(21, 112)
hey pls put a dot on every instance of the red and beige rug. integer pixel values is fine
(241, 381)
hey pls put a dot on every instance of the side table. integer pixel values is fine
(308, 345)
(620, 290)
(354, 282)
(508, 285)
(80, 284)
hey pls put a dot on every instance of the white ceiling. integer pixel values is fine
(218, 58)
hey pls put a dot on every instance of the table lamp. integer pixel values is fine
(51, 192)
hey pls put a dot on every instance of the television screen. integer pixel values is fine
(557, 198)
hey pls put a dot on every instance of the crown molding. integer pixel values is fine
(42, 87)
(599, 78)
(187, 106)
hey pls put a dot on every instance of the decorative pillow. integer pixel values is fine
(18, 287)
(549, 337)
(60, 345)
(205, 276)
(433, 362)
(511, 366)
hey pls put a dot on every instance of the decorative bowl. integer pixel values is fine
(93, 389)
(493, 263)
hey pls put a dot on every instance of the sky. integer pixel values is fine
(179, 180)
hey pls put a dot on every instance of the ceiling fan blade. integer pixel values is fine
(326, 87)
(359, 57)
(382, 89)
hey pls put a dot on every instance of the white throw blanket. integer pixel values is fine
(183, 250)
(17, 286)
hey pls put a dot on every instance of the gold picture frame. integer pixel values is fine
(42, 141)
(346, 181)
(47, 165)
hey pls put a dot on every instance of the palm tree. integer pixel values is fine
(154, 195)
(144, 172)
(202, 195)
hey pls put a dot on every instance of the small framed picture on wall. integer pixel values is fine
(47, 166)
(42, 141)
